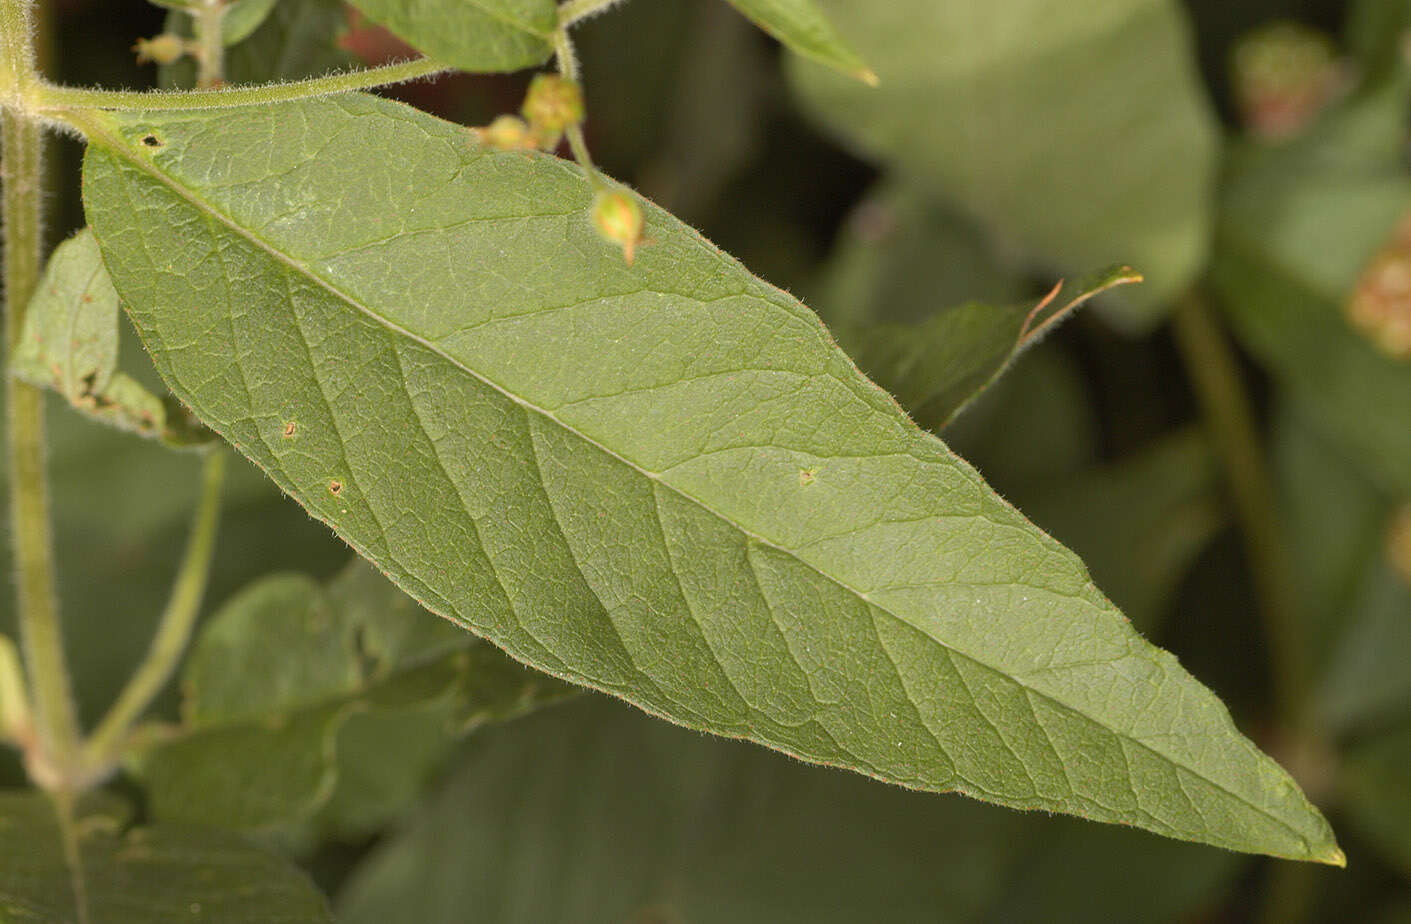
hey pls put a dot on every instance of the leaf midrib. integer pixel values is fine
(117, 146)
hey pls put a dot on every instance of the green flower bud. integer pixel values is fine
(1379, 307)
(506, 133)
(161, 49)
(1284, 75)
(1399, 543)
(552, 105)
(618, 218)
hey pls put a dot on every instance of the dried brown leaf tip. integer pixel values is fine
(1379, 307)
(1285, 74)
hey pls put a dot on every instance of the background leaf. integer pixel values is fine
(277, 676)
(1298, 224)
(473, 35)
(1080, 133)
(142, 875)
(803, 29)
(660, 480)
(298, 39)
(658, 824)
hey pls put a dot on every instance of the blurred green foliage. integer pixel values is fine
(989, 161)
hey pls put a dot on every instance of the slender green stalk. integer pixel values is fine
(210, 44)
(174, 631)
(568, 67)
(1210, 363)
(57, 735)
(47, 99)
(574, 11)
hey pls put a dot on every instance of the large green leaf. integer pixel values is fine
(1078, 130)
(472, 35)
(663, 481)
(803, 28)
(657, 824)
(935, 369)
(1298, 224)
(139, 876)
(280, 674)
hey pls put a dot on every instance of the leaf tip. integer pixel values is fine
(1332, 856)
(868, 76)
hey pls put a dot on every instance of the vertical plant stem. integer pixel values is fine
(568, 67)
(41, 632)
(1210, 363)
(174, 631)
(210, 44)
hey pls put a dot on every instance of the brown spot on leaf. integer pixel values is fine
(290, 429)
(335, 487)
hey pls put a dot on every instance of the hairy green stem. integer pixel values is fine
(568, 67)
(174, 631)
(209, 18)
(1210, 363)
(573, 11)
(55, 101)
(54, 760)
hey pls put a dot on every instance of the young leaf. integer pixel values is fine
(142, 875)
(804, 30)
(480, 36)
(938, 367)
(70, 344)
(662, 481)
(281, 671)
(1081, 134)
(657, 824)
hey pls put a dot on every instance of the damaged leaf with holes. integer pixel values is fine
(70, 344)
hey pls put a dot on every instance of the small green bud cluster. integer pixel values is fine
(552, 106)
(1379, 306)
(1285, 74)
(1399, 543)
(161, 49)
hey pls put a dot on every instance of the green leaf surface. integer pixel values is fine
(935, 369)
(657, 824)
(283, 670)
(481, 36)
(139, 876)
(804, 30)
(663, 481)
(1297, 226)
(70, 344)
(1078, 131)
